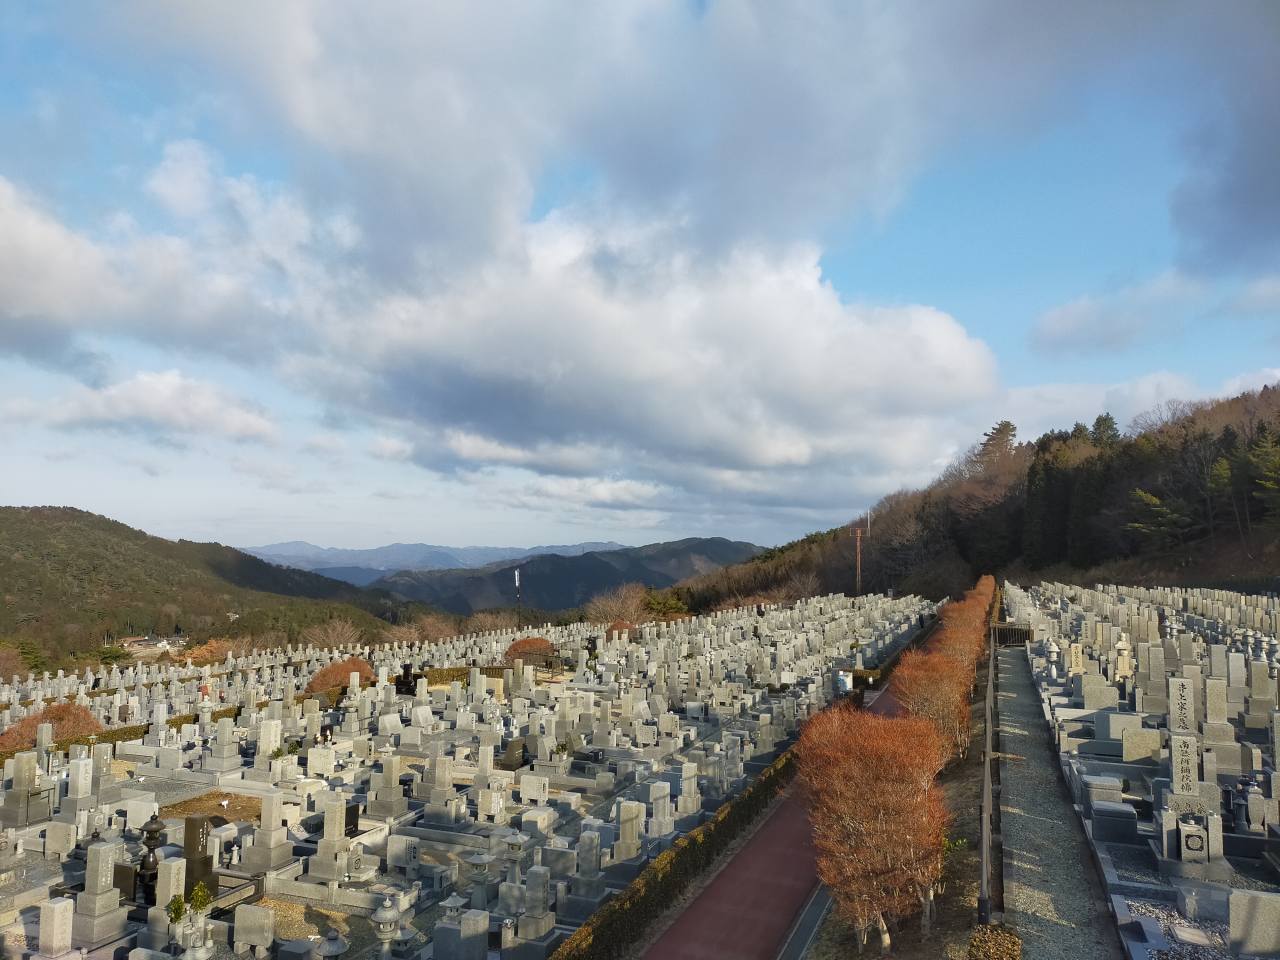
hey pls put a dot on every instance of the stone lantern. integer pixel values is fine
(479, 880)
(332, 946)
(386, 924)
(149, 866)
(453, 906)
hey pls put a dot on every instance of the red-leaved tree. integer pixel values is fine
(337, 675)
(527, 647)
(69, 721)
(879, 822)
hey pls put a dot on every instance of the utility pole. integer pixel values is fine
(518, 605)
(857, 546)
(857, 543)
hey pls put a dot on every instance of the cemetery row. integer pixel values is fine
(1162, 704)
(497, 811)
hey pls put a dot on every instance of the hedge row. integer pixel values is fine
(436, 675)
(614, 929)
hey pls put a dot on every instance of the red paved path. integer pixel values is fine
(746, 911)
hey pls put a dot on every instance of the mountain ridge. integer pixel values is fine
(362, 565)
(555, 582)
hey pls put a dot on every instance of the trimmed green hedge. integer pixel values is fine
(614, 929)
(437, 675)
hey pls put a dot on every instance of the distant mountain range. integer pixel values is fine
(363, 567)
(556, 582)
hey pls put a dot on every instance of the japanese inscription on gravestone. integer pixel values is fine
(1182, 752)
(1181, 710)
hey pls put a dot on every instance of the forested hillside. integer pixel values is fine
(71, 581)
(1190, 494)
(557, 583)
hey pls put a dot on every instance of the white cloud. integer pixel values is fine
(741, 120)
(1254, 380)
(1260, 297)
(1154, 307)
(568, 358)
(184, 180)
(167, 404)
(1056, 406)
(663, 339)
(604, 492)
(391, 448)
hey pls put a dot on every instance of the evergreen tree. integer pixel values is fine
(997, 442)
(1105, 433)
(1160, 522)
(1264, 459)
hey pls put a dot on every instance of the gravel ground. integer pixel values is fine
(1135, 864)
(1168, 917)
(1051, 890)
(1252, 875)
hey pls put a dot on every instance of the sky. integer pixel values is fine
(547, 272)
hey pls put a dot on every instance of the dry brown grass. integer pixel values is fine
(214, 651)
(239, 808)
(298, 921)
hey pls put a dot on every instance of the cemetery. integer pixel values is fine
(455, 804)
(1161, 705)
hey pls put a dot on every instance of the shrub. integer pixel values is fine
(526, 647)
(69, 721)
(201, 899)
(337, 675)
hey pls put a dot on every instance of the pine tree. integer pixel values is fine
(997, 442)
(1162, 523)
(1105, 433)
(1264, 459)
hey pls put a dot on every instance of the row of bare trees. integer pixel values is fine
(879, 817)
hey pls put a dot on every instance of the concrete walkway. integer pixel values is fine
(1052, 895)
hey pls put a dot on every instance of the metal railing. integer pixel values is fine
(984, 883)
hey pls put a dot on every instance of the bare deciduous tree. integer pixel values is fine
(485, 620)
(333, 633)
(621, 603)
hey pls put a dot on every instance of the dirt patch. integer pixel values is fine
(299, 921)
(238, 807)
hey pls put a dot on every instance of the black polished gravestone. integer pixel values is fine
(124, 877)
(513, 758)
(195, 846)
(406, 681)
(351, 826)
